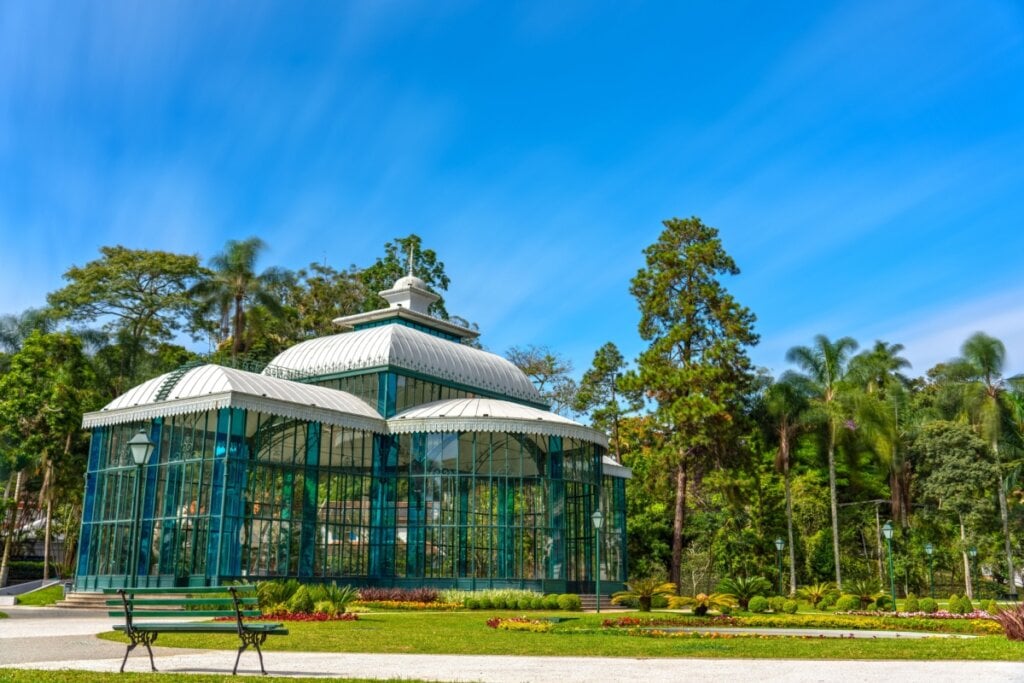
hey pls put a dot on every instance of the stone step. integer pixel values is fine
(83, 600)
(589, 603)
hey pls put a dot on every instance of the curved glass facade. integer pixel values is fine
(232, 493)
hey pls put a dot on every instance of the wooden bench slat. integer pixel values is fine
(270, 629)
(206, 613)
(138, 602)
(242, 588)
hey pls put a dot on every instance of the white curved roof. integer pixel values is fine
(403, 347)
(489, 415)
(210, 387)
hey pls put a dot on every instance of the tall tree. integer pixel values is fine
(141, 296)
(395, 264)
(957, 475)
(978, 377)
(16, 327)
(42, 398)
(599, 393)
(824, 367)
(786, 407)
(696, 368)
(233, 286)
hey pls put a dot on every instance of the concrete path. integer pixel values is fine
(51, 639)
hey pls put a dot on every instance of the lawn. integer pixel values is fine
(40, 598)
(31, 676)
(467, 633)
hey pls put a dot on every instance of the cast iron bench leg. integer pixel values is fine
(254, 639)
(145, 638)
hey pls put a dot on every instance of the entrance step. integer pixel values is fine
(589, 602)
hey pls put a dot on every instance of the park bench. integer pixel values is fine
(141, 606)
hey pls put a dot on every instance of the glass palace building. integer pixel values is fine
(391, 454)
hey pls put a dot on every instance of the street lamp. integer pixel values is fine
(974, 568)
(887, 532)
(141, 448)
(779, 545)
(598, 519)
(929, 549)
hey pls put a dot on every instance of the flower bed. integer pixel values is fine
(298, 616)
(407, 605)
(520, 624)
(871, 621)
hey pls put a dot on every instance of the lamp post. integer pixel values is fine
(887, 532)
(974, 568)
(598, 519)
(779, 545)
(929, 549)
(141, 448)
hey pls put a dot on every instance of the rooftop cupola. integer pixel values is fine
(410, 293)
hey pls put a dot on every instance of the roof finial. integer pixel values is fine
(412, 247)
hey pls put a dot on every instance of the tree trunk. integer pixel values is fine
(13, 517)
(677, 524)
(968, 588)
(789, 532)
(1004, 515)
(236, 342)
(834, 499)
(878, 540)
(45, 493)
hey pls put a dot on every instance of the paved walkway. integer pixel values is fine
(64, 642)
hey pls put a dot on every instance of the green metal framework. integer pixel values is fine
(231, 494)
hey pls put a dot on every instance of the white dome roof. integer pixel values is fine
(409, 281)
(489, 415)
(210, 387)
(409, 349)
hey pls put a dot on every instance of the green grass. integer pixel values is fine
(31, 676)
(467, 633)
(40, 598)
(2, 615)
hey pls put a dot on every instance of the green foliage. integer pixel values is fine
(643, 590)
(790, 606)
(273, 593)
(929, 606)
(696, 368)
(701, 603)
(550, 602)
(866, 590)
(816, 592)
(601, 393)
(570, 602)
(912, 603)
(301, 601)
(744, 588)
(828, 602)
(776, 603)
(487, 603)
(758, 604)
(848, 603)
(472, 603)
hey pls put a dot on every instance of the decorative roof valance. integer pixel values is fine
(489, 415)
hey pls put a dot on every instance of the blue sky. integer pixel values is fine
(862, 160)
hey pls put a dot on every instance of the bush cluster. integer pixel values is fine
(912, 604)
(758, 604)
(959, 605)
(928, 606)
(425, 595)
(567, 602)
(847, 603)
(281, 598)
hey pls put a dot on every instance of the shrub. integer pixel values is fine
(743, 589)
(847, 603)
(570, 602)
(498, 602)
(866, 591)
(758, 604)
(884, 602)
(789, 606)
(551, 602)
(472, 603)
(827, 602)
(273, 593)
(965, 605)
(486, 603)
(525, 603)
(815, 593)
(929, 606)
(301, 601)
(912, 604)
(325, 607)
(537, 602)
(776, 603)
(701, 603)
(1012, 621)
(643, 591)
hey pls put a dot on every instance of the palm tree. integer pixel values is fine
(984, 402)
(882, 412)
(234, 285)
(643, 591)
(824, 368)
(786, 404)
